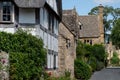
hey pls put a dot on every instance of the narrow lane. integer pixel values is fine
(107, 74)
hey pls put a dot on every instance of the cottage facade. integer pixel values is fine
(41, 18)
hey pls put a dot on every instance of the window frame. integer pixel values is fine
(11, 12)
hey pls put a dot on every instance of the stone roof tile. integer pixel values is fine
(90, 26)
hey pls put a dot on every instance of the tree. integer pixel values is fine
(106, 12)
(110, 15)
(115, 35)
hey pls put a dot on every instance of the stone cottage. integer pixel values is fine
(92, 28)
(41, 18)
(67, 49)
(89, 28)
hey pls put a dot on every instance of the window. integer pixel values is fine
(85, 41)
(42, 16)
(6, 12)
(88, 42)
(48, 21)
(68, 44)
(80, 27)
(52, 60)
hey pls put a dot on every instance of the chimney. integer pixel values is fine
(101, 18)
(101, 25)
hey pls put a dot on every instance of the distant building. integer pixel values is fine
(89, 28)
(92, 28)
(41, 18)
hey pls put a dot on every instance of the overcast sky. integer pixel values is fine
(84, 6)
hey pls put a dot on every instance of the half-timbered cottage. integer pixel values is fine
(39, 17)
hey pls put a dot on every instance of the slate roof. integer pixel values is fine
(90, 26)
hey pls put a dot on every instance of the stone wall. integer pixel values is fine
(110, 49)
(4, 63)
(67, 47)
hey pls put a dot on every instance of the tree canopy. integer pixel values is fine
(115, 35)
(110, 15)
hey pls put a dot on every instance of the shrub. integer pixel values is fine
(27, 55)
(92, 62)
(99, 52)
(115, 60)
(100, 65)
(82, 70)
(67, 73)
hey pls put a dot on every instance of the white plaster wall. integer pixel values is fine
(26, 15)
(8, 30)
(30, 30)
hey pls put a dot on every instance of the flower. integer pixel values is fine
(3, 61)
(49, 73)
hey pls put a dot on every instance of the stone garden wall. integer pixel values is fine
(4, 66)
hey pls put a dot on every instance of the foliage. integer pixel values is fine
(82, 70)
(108, 11)
(94, 55)
(67, 73)
(27, 55)
(115, 35)
(115, 60)
(99, 65)
(110, 15)
(93, 63)
(99, 52)
(81, 52)
(66, 76)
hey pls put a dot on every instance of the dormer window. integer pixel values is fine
(80, 26)
(6, 12)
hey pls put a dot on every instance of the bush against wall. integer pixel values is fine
(27, 54)
(115, 59)
(92, 55)
(82, 70)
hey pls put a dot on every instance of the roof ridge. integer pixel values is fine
(86, 15)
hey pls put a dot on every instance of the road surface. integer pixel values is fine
(107, 74)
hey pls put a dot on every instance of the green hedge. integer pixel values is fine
(27, 55)
(82, 70)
